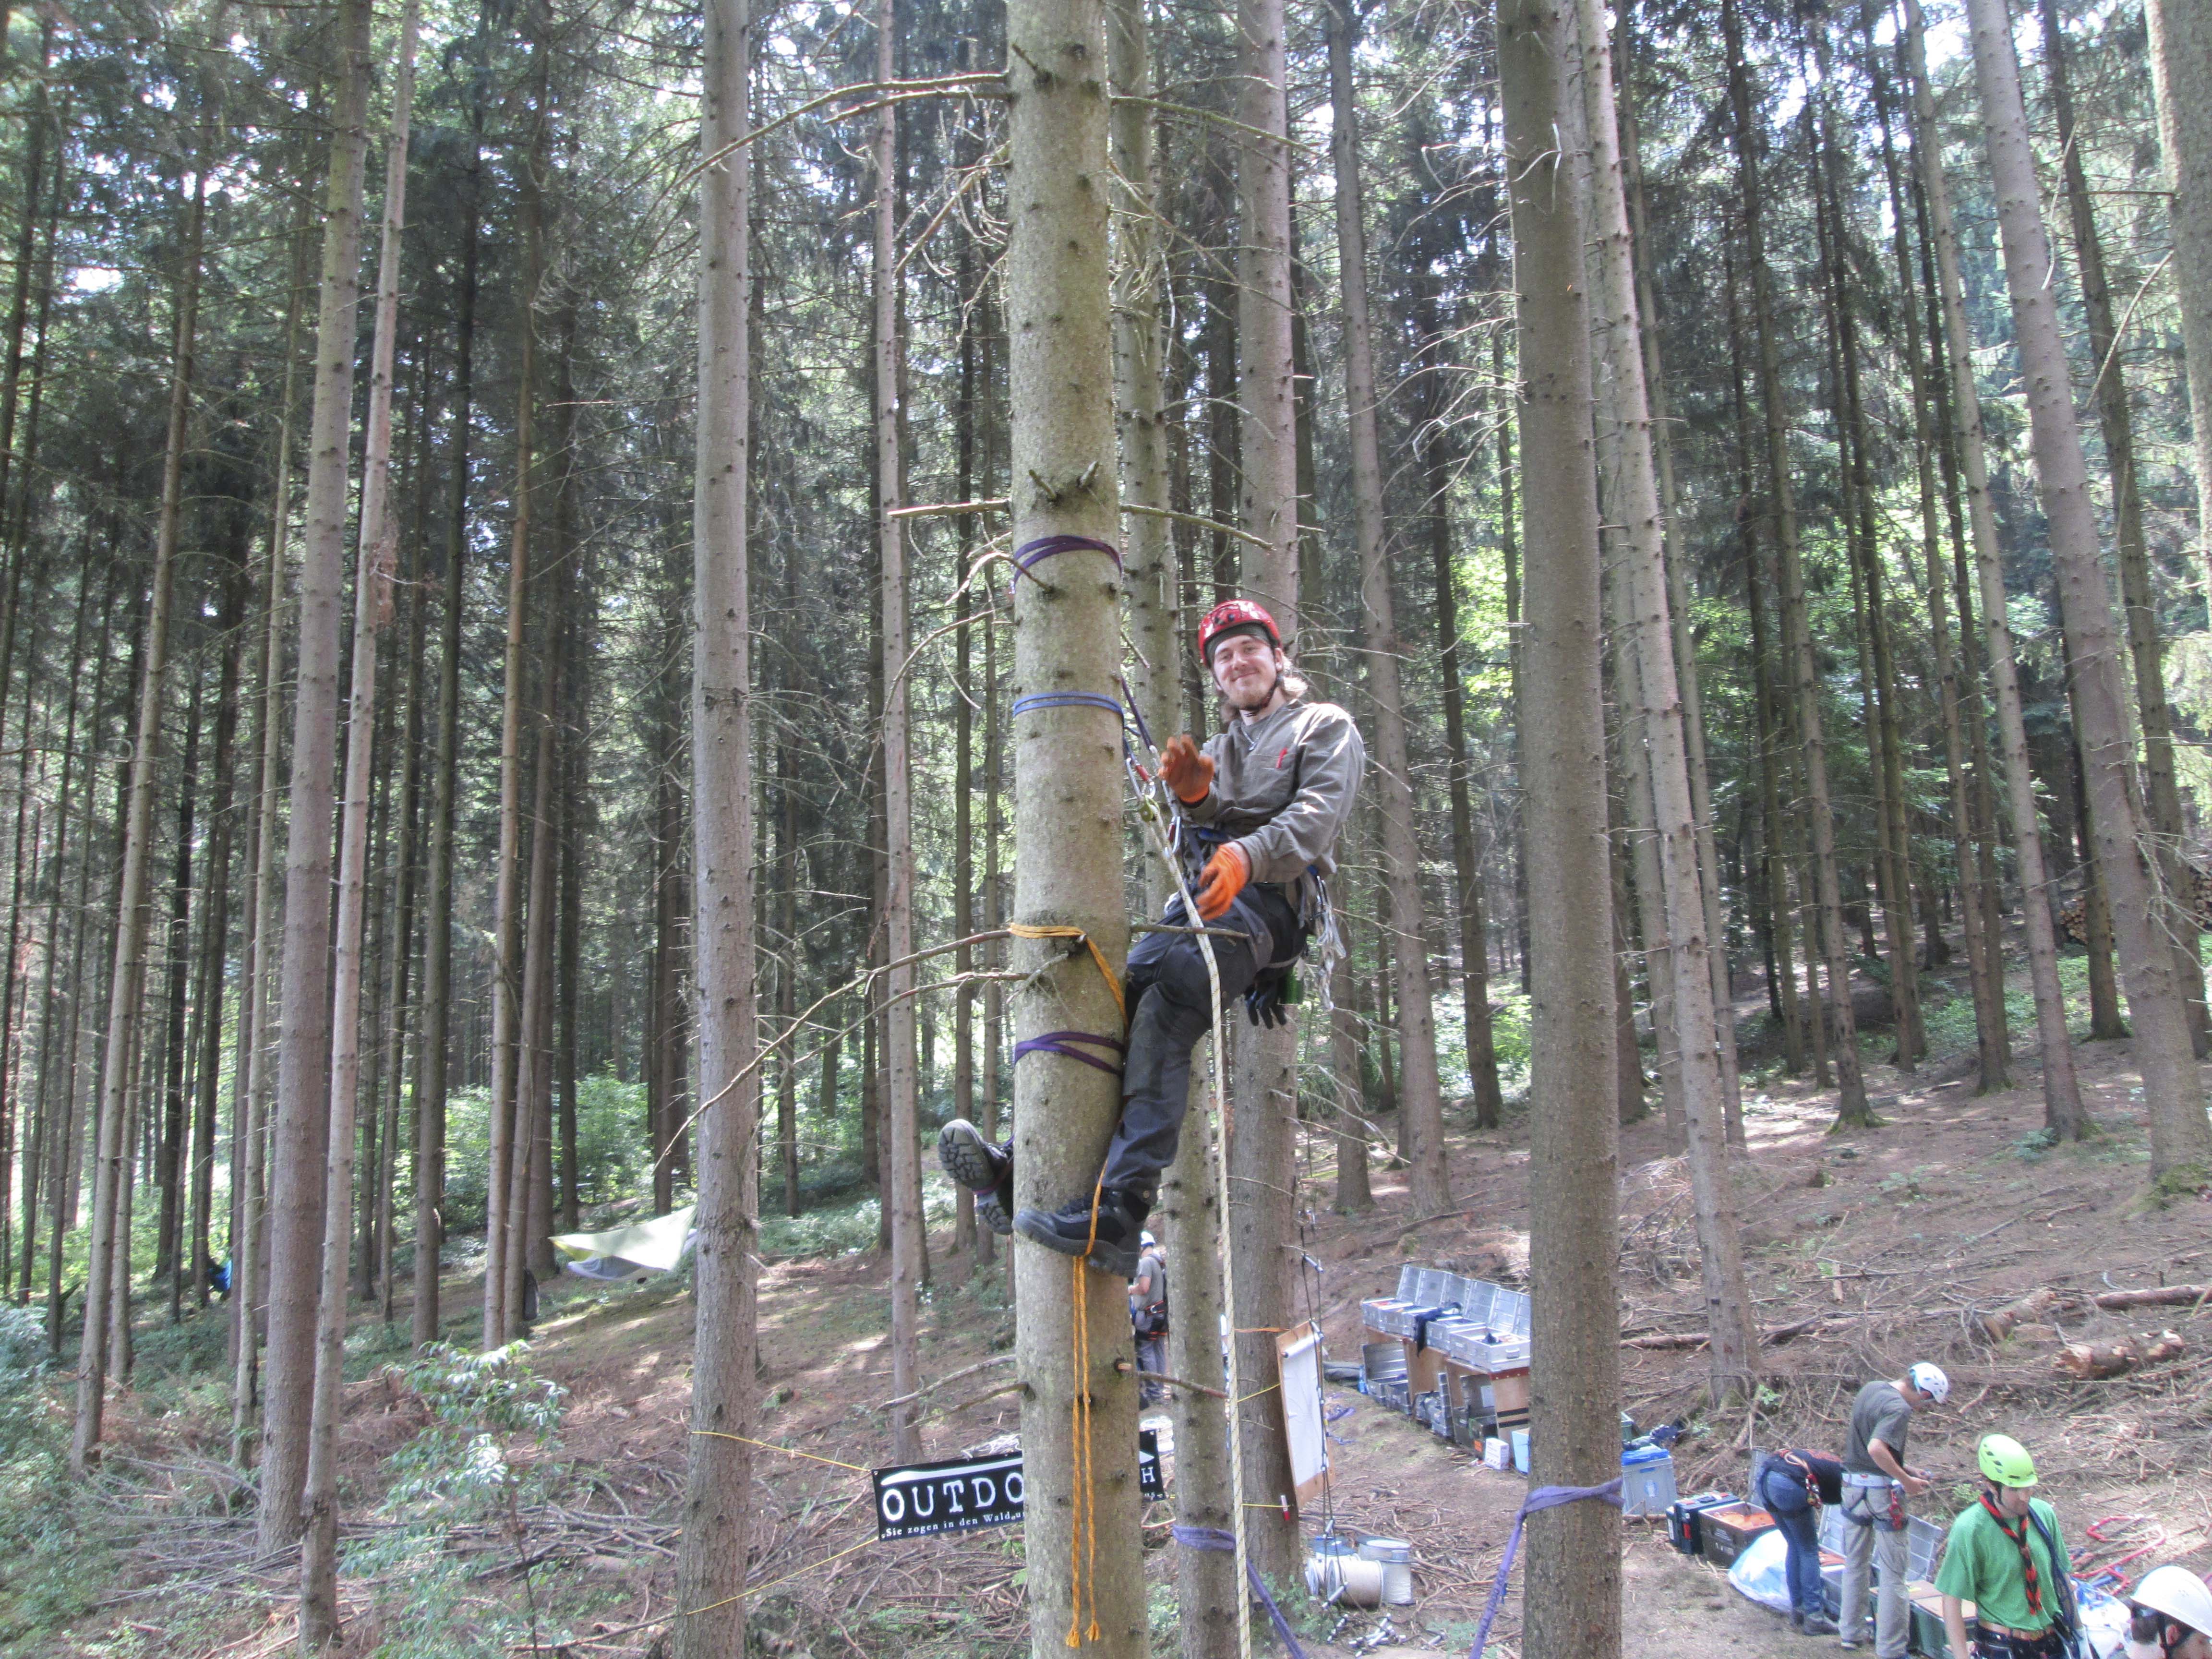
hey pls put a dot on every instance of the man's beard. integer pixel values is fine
(1247, 695)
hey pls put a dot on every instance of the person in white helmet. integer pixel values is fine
(1148, 1316)
(1876, 1483)
(2171, 1616)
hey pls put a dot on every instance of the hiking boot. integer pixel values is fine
(1113, 1247)
(970, 1159)
(1813, 1624)
(991, 1211)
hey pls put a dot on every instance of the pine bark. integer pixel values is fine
(1572, 1599)
(2146, 650)
(303, 1127)
(1085, 1579)
(718, 1493)
(2181, 1138)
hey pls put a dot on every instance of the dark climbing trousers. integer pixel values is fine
(1167, 994)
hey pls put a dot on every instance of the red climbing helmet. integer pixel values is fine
(1229, 616)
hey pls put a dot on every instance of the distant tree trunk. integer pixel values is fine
(1421, 1102)
(2162, 794)
(1984, 947)
(718, 1494)
(170, 1138)
(1085, 1579)
(404, 815)
(434, 1051)
(1437, 470)
(1852, 1106)
(1627, 1055)
(111, 1238)
(2181, 1138)
(2062, 1099)
(2181, 74)
(994, 997)
(214, 928)
(1572, 1602)
(306, 1148)
(2106, 1025)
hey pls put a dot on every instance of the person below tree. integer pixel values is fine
(1148, 1318)
(2006, 1556)
(1270, 795)
(1793, 1484)
(1875, 1485)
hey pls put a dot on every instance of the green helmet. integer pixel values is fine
(2006, 1461)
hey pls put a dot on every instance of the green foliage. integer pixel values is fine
(57, 1562)
(2033, 1148)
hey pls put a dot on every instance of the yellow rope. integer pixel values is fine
(693, 1613)
(1023, 930)
(1083, 1538)
(788, 1451)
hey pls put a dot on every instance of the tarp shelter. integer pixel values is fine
(632, 1252)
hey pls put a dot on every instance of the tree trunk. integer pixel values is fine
(111, 1239)
(2161, 793)
(502, 1284)
(1572, 1601)
(718, 1494)
(2181, 75)
(1263, 1138)
(319, 1545)
(306, 1148)
(1734, 1345)
(902, 1190)
(2062, 1099)
(2181, 1138)
(1085, 1579)
(171, 1131)
(435, 1049)
(1421, 1099)
(1851, 1104)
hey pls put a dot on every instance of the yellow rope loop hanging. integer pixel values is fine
(1083, 1537)
(1023, 930)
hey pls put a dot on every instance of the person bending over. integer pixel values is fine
(1267, 797)
(1793, 1484)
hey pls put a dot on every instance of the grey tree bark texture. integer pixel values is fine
(319, 1543)
(2181, 76)
(1733, 1347)
(2181, 1138)
(1263, 1132)
(902, 1204)
(1420, 1099)
(1078, 1413)
(303, 1104)
(1572, 1594)
(2061, 1094)
(112, 1169)
(1187, 1215)
(717, 1491)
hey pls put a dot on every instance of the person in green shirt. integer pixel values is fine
(2006, 1555)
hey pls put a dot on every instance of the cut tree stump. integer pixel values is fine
(2093, 1362)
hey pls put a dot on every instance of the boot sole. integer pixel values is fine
(1036, 1227)
(966, 1157)
(993, 1214)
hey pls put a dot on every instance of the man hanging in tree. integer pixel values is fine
(1266, 800)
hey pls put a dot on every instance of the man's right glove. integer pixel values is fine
(1224, 877)
(1188, 772)
(1272, 993)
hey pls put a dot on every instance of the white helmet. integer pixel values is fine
(1930, 1381)
(1147, 1240)
(2176, 1594)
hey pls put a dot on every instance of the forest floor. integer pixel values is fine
(1889, 1239)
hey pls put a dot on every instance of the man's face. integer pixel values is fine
(1246, 667)
(2012, 1500)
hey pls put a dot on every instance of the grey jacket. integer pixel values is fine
(1283, 788)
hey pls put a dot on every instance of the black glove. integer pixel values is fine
(1276, 989)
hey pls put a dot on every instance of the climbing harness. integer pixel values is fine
(1544, 1498)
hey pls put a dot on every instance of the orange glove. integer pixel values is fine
(1223, 879)
(1188, 772)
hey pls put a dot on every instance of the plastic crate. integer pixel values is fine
(1726, 1531)
(1647, 1481)
(1682, 1518)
